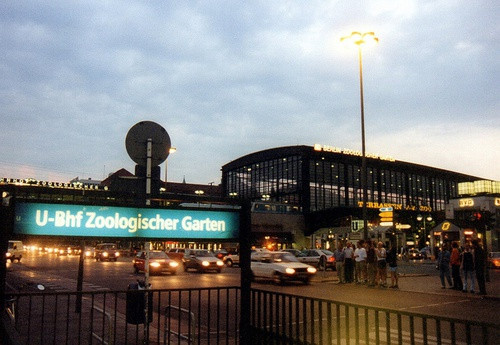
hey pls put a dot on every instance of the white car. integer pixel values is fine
(281, 267)
(232, 259)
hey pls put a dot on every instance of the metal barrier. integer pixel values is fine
(190, 337)
(215, 314)
(279, 318)
(110, 332)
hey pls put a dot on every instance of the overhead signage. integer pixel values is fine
(469, 202)
(386, 223)
(397, 207)
(386, 209)
(328, 148)
(403, 226)
(107, 221)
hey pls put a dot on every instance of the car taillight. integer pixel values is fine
(331, 259)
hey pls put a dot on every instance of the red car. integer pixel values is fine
(159, 262)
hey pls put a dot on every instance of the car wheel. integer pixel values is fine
(229, 263)
(185, 268)
(96, 259)
(278, 278)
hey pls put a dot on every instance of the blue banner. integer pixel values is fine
(106, 221)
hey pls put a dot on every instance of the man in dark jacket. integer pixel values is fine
(479, 266)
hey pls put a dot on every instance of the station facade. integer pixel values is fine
(324, 184)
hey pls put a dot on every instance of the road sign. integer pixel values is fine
(403, 226)
(386, 223)
(386, 209)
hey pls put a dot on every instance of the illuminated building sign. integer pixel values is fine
(328, 148)
(466, 202)
(104, 221)
(398, 207)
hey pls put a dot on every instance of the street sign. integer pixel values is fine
(386, 223)
(386, 209)
(357, 225)
(403, 226)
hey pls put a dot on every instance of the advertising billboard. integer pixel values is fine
(107, 221)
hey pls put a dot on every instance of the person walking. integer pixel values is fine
(479, 266)
(381, 265)
(371, 263)
(360, 263)
(392, 261)
(468, 269)
(348, 262)
(455, 263)
(444, 266)
(338, 254)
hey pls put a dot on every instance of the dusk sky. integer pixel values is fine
(229, 78)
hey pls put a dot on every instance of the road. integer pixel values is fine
(419, 285)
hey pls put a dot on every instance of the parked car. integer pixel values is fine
(232, 259)
(177, 254)
(313, 257)
(159, 262)
(15, 251)
(494, 260)
(281, 267)
(221, 254)
(201, 260)
(330, 260)
(295, 252)
(106, 252)
(414, 254)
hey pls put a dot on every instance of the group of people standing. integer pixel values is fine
(366, 264)
(471, 261)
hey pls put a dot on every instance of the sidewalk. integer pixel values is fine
(425, 283)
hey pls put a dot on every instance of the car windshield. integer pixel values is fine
(107, 246)
(283, 257)
(158, 255)
(202, 253)
(327, 252)
(495, 255)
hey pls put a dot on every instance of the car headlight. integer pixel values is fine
(105, 254)
(205, 263)
(155, 264)
(88, 253)
(311, 270)
(8, 255)
(117, 254)
(220, 263)
(173, 264)
(290, 271)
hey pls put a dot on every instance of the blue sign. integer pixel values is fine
(106, 221)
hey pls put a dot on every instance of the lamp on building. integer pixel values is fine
(361, 39)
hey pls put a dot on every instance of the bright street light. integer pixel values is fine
(361, 39)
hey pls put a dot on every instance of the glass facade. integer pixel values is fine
(317, 181)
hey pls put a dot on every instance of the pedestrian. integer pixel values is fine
(479, 266)
(338, 254)
(468, 269)
(371, 263)
(348, 262)
(360, 263)
(455, 263)
(444, 266)
(392, 261)
(381, 265)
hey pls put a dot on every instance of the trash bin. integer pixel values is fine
(136, 298)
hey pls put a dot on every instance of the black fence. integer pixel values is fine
(212, 316)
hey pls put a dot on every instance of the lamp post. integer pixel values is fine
(421, 218)
(170, 150)
(361, 39)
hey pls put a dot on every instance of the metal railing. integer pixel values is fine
(279, 318)
(214, 314)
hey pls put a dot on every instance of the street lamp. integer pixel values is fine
(424, 219)
(170, 150)
(361, 39)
